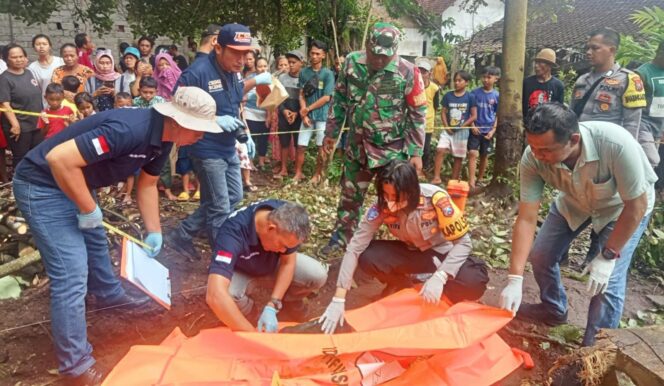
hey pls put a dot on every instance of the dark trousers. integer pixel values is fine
(26, 142)
(259, 132)
(391, 261)
(427, 156)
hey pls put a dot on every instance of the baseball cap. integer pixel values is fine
(191, 108)
(384, 39)
(236, 36)
(132, 51)
(211, 30)
(296, 54)
(424, 64)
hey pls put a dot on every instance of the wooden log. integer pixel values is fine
(16, 226)
(640, 353)
(19, 264)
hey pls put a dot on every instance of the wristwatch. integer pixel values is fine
(276, 303)
(610, 254)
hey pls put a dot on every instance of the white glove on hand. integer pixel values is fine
(510, 298)
(600, 271)
(432, 289)
(333, 315)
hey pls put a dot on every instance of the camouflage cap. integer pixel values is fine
(384, 38)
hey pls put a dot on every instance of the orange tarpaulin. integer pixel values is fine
(399, 341)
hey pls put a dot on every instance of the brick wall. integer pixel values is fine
(61, 28)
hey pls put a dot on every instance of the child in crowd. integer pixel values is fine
(85, 104)
(481, 135)
(147, 93)
(70, 84)
(147, 98)
(185, 168)
(431, 90)
(167, 74)
(458, 113)
(50, 125)
(123, 99)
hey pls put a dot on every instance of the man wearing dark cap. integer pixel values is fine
(383, 96)
(208, 40)
(214, 157)
(543, 86)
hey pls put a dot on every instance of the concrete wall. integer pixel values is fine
(61, 28)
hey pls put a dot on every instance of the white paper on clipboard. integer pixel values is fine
(148, 274)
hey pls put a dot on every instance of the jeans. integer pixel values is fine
(550, 245)
(310, 275)
(221, 191)
(76, 261)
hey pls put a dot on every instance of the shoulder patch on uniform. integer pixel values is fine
(634, 96)
(373, 212)
(224, 257)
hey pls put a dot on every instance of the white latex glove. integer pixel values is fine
(600, 270)
(432, 289)
(510, 298)
(333, 315)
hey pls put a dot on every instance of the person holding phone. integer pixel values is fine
(106, 82)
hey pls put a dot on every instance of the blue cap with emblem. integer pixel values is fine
(237, 37)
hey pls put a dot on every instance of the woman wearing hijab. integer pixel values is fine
(167, 74)
(106, 82)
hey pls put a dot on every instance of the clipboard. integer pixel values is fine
(147, 274)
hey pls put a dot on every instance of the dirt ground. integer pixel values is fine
(27, 358)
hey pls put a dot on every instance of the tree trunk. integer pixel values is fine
(509, 138)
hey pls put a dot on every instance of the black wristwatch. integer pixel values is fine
(610, 254)
(276, 303)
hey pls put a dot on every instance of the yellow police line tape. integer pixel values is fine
(117, 231)
(33, 113)
(253, 135)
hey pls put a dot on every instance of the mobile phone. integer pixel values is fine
(109, 84)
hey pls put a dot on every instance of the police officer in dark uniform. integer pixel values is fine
(53, 189)
(214, 158)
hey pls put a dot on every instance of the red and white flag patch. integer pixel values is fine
(100, 144)
(224, 257)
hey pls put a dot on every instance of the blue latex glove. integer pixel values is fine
(251, 146)
(264, 78)
(90, 220)
(268, 320)
(229, 124)
(154, 240)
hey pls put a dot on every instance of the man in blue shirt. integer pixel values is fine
(481, 134)
(258, 244)
(53, 189)
(316, 85)
(214, 157)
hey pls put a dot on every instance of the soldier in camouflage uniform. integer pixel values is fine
(384, 98)
(619, 96)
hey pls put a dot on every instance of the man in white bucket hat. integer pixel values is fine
(53, 187)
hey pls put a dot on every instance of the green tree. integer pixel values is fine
(642, 48)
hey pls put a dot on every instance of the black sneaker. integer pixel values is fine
(91, 377)
(130, 300)
(181, 246)
(540, 314)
